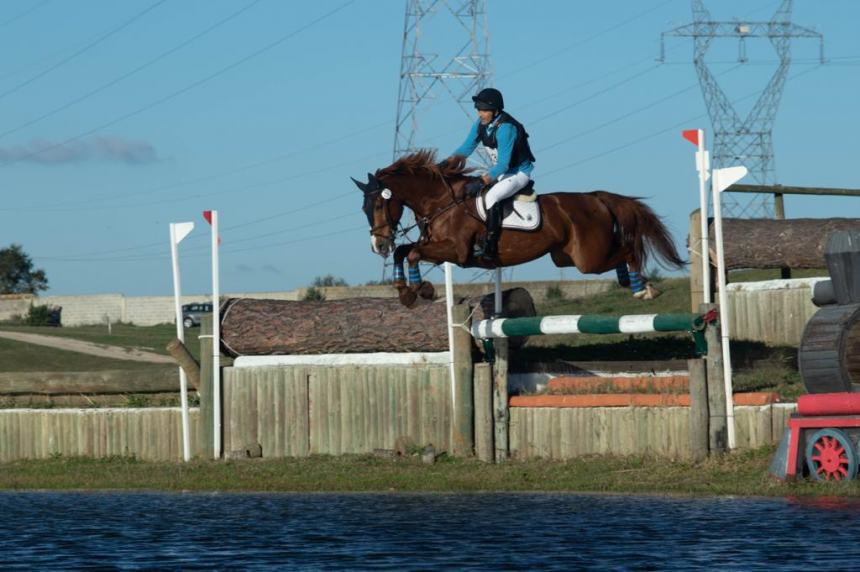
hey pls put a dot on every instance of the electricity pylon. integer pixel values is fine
(747, 142)
(426, 73)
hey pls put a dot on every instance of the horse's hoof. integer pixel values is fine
(426, 291)
(408, 297)
(649, 293)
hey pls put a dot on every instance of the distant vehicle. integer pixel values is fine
(192, 314)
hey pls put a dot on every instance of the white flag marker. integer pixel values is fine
(178, 231)
(722, 180)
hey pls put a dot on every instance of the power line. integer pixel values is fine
(189, 87)
(686, 122)
(299, 152)
(629, 114)
(14, 19)
(132, 72)
(82, 50)
(588, 39)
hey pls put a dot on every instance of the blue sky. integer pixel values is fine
(267, 115)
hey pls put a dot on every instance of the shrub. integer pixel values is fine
(328, 281)
(554, 292)
(40, 316)
(313, 294)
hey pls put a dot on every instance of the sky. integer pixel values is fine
(122, 117)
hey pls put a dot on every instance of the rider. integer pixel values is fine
(507, 144)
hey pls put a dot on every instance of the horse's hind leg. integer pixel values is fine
(639, 286)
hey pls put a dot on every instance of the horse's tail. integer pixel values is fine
(642, 231)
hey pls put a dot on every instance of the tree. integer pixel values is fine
(328, 281)
(17, 275)
(315, 292)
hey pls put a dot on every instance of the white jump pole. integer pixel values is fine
(178, 231)
(216, 338)
(723, 179)
(703, 166)
(449, 303)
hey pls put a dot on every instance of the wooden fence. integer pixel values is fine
(300, 411)
(153, 433)
(565, 433)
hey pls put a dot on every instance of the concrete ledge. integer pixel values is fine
(630, 400)
(382, 358)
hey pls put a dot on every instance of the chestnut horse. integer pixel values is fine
(595, 232)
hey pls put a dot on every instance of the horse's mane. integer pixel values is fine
(424, 162)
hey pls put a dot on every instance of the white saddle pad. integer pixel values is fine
(516, 214)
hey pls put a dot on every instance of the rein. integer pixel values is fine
(424, 223)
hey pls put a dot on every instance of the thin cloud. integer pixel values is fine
(104, 148)
(271, 269)
(244, 268)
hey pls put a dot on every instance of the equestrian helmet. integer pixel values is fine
(489, 99)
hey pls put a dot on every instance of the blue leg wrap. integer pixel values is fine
(637, 283)
(414, 275)
(623, 275)
(398, 272)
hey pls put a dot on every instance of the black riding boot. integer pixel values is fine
(494, 229)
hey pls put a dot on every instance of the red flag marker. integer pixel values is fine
(208, 216)
(691, 135)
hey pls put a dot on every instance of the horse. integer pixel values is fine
(595, 231)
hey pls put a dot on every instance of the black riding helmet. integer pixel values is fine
(489, 99)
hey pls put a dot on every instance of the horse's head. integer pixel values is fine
(383, 212)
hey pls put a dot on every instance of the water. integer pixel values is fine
(130, 531)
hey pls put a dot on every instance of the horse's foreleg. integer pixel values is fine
(405, 292)
(416, 283)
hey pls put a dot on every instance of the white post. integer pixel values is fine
(497, 299)
(723, 179)
(449, 302)
(178, 231)
(216, 339)
(703, 165)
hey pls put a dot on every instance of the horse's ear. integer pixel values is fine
(361, 186)
(374, 182)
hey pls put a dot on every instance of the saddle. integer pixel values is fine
(520, 212)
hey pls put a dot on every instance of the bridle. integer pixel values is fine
(422, 223)
(393, 227)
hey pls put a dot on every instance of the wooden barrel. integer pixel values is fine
(829, 355)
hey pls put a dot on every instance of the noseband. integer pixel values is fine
(387, 195)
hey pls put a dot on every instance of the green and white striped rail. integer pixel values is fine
(586, 324)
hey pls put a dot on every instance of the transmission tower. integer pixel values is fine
(747, 142)
(428, 75)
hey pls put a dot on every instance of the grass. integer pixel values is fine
(742, 473)
(23, 357)
(20, 356)
(147, 338)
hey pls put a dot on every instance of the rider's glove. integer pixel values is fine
(474, 188)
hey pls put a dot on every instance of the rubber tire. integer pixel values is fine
(188, 323)
(847, 444)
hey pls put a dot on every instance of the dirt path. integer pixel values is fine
(79, 346)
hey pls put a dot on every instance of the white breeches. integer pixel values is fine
(506, 187)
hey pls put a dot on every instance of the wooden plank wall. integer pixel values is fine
(775, 317)
(152, 433)
(564, 433)
(297, 411)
